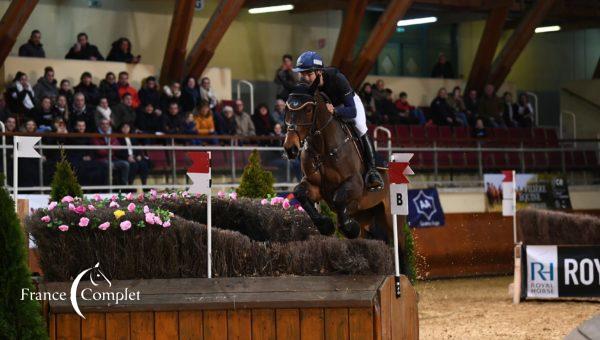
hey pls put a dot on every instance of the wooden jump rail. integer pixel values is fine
(317, 307)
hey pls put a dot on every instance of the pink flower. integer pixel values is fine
(52, 205)
(185, 194)
(264, 201)
(163, 196)
(146, 209)
(131, 207)
(67, 199)
(275, 201)
(45, 219)
(97, 197)
(149, 218)
(153, 192)
(71, 207)
(104, 226)
(129, 196)
(125, 225)
(84, 221)
(300, 208)
(286, 204)
(91, 207)
(114, 197)
(63, 227)
(221, 194)
(157, 220)
(113, 204)
(233, 195)
(141, 197)
(167, 224)
(173, 195)
(80, 210)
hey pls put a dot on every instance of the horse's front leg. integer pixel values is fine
(307, 194)
(345, 202)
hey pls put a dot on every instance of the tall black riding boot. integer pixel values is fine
(373, 179)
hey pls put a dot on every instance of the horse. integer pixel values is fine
(333, 169)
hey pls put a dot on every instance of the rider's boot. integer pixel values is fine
(373, 179)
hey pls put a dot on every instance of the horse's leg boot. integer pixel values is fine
(373, 179)
(350, 228)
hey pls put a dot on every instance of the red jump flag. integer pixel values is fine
(199, 172)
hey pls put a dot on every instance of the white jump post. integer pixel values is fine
(22, 148)
(200, 175)
(398, 168)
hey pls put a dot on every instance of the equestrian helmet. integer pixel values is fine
(308, 61)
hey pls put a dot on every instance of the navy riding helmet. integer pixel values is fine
(308, 61)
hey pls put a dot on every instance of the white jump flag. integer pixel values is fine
(509, 198)
(22, 148)
(200, 174)
(399, 167)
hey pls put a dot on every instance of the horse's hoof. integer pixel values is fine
(325, 226)
(350, 228)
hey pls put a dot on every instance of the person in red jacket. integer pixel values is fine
(124, 87)
(101, 155)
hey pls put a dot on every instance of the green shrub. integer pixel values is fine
(411, 259)
(64, 181)
(19, 319)
(256, 182)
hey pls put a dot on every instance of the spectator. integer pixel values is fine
(89, 171)
(490, 107)
(101, 155)
(150, 120)
(189, 125)
(471, 106)
(443, 68)
(524, 111)
(124, 88)
(29, 171)
(458, 105)
(229, 126)
(205, 124)
(4, 111)
(46, 85)
(149, 93)
(278, 113)
(103, 111)
(173, 119)
(88, 89)
(378, 93)
(10, 125)
(121, 51)
(109, 89)
(61, 107)
(171, 94)
(479, 129)
(30, 126)
(65, 90)
(285, 78)
(21, 96)
(243, 122)
(510, 110)
(366, 96)
(138, 161)
(44, 115)
(207, 95)
(81, 111)
(275, 160)
(123, 112)
(33, 47)
(409, 113)
(83, 50)
(441, 112)
(386, 110)
(263, 123)
(190, 96)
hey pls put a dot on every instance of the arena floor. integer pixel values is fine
(480, 308)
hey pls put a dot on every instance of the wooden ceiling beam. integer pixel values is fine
(381, 33)
(12, 23)
(215, 29)
(343, 56)
(482, 64)
(181, 24)
(517, 41)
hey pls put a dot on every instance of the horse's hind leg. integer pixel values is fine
(345, 201)
(307, 194)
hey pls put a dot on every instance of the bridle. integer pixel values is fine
(314, 130)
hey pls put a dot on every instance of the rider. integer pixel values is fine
(344, 104)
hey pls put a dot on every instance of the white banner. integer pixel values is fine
(542, 272)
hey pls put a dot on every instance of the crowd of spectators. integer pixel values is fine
(449, 109)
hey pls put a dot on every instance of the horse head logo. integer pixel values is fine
(95, 275)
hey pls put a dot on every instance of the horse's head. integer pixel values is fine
(96, 274)
(302, 107)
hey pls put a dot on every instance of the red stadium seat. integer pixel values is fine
(402, 135)
(472, 161)
(514, 160)
(551, 138)
(458, 160)
(417, 134)
(443, 160)
(445, 135)
(499, 137)
(591, 159)
(462, 137)
(432, 132)
(554, 161)
(159, 160)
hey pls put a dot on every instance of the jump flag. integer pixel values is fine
(399, 168)
(509, 198)
(22, 148)
(200, 173)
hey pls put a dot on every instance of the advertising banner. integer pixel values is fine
(425, 209)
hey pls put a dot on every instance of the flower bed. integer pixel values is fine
(161, 236)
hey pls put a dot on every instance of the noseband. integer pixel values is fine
(295, 103)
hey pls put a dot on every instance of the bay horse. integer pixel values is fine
(333, 170)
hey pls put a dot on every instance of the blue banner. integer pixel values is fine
(424, 208)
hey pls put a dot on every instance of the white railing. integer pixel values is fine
(535, 101)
